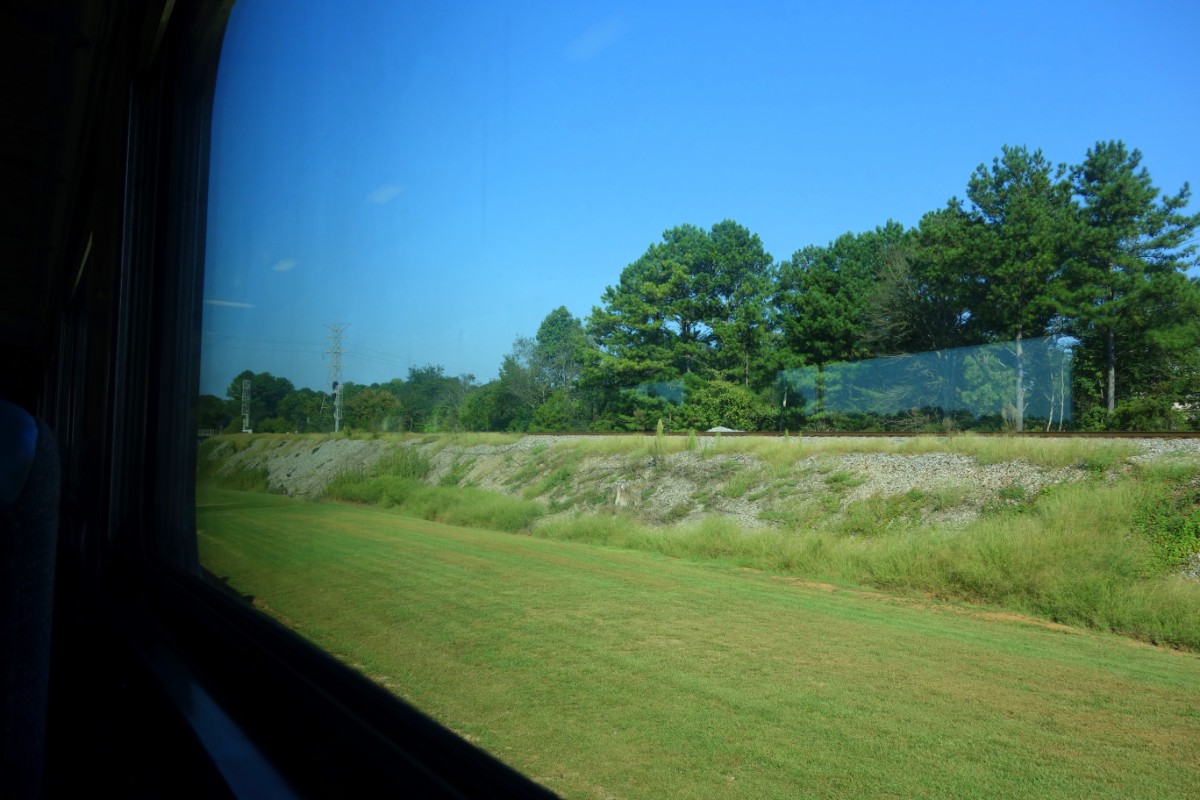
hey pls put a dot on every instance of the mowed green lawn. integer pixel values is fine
(611, 673)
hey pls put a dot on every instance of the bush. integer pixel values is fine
(712, 403)
(1149, 414)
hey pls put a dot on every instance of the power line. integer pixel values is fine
(262, 339)
(244, 349)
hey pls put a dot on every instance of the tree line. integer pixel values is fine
(704, 328)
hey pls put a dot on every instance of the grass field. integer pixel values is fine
(615, 673)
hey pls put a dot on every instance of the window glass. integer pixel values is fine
(494, 292)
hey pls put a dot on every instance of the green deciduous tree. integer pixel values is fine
(371, 408)
(722, 403)
(487, 408)
(265, 393)
(306, 411)
(212, 413)
(429, 398)
(560, 348)
(558, 412)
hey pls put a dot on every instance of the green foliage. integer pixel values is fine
(1154, 413)
(1127, 299)
(241, 478)
(427, 400)
(1092, 254)
(922, 296)
(212, 413)
(1169, 517)
(822, 294)
(458, 470)
(371, 409)
(304, 411)
(405, 462)
(633, 410)
(266, 392)
(452, 505)
(694, 302)
(488, 408)
(720, 403)
(559, 412)
(841, 480)
(560, 351)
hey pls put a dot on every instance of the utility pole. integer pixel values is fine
(335, 370)
(246, 406)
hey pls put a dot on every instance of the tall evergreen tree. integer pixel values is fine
(1020, 210)
(743, 274)
(823, 294)
(690, 304)
(652, 324)
(921, 300)
(1130, 245)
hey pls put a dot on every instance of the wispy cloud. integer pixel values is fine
(283, 265)
(384, 194)
(227, 303)
(596, 39)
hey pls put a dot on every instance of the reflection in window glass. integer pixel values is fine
(446, 241)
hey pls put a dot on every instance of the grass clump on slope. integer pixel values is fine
(395, 483)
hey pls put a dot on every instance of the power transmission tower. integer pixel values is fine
(246, 406)
(335, 370)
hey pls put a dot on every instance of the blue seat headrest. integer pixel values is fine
(18, 443)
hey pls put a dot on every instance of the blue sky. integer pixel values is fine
(441, 175)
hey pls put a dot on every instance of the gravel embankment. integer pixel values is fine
(683, 486)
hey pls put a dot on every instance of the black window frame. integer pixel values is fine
(269, 709)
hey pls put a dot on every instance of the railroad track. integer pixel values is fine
(900, 434)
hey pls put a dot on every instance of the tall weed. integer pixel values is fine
(241, 478)
(453, 505)
(407, 462)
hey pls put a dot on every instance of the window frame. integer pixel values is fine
(265, 705)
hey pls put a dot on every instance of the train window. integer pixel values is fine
(522, 324)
